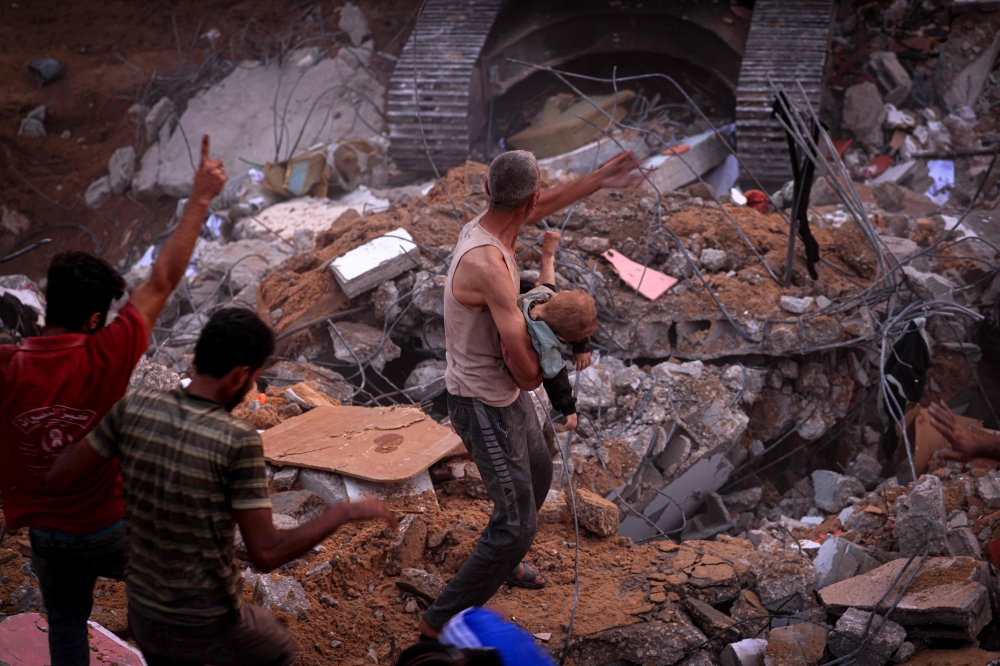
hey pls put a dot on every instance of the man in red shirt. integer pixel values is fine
(54, 389)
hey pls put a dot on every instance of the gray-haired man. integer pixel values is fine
(488, 408)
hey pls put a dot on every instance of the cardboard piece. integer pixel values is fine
(380, 444)
(924, 438)
(650, 283)
(306, 174)
(24, 641)
(377, 261)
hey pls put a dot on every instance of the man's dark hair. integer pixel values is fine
(231, 338)
(80, 284)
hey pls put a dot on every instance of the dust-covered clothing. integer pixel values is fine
(186, 466)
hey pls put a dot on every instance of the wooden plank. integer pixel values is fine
(381, 444)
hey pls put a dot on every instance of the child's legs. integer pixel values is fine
(550, 243)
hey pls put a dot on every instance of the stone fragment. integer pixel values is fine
(157, 116)
(426, 381)
(428, 295)
(903, 654)
(474, 486)
(833, 491)
(920, 516)
(796, 305)
(948, 597)
(880, 646)
(748, 652)
(796, 645)
(865, 469)
(929, 286)
(594, 245)
(711, 621)
(362, 343)
(555, 509)
(654, 643)
(98, 192)
(32, 126)
(285, 478)
(712, 259)
(153, 375)
(864, 114)
(46, 70)
(892, 78)
(743, 500)
(419, 582)
(121, 168)
(328, 485)
(716, 519)
(746, 607)
(407, 548)
(961, 542)
(839, 559)
(988, 489)
(302, 505)
(783, 581)
(595, 513)
(353, 22)
(275, 592)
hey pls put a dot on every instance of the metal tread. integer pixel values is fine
(787, 44)
(428, 101)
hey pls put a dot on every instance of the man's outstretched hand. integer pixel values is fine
(372, 509)
(965, 444)
(621, 172)
(210, 177)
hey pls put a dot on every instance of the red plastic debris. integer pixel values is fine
(757, 200)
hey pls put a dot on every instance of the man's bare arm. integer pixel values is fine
(620, 172)
(150, 296)
(270, 547)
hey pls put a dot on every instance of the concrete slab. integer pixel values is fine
(948, 598)
(705, 151)
(420, 485)
(377, 261)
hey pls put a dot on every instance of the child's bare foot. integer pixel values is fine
(550, 242)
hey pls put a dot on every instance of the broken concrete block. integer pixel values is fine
(157, 116)
(748, 652)
(329, 486)
(988, 489)
(421, 484)
(426, 381)
(121, 168)
(839, 559)
(280, 593)
(743, 500)
(961, 542)
(31, 127)
(879, 647)
(965, 88)
(796, 645)
(353, 22)
(893, 80)
(361, 343)
(713, 260)
(706, 152)
(285, 478)
(796, 305)
(833, 491)
(419, 582)
(903, 654)
(783, 581)
(407, 548)
(929, 286)
(865, 469)
(864, 114)
(594, 245)
(555, 509)
(716, 519)
(302, 505)
(98, 192)
(144, 182)
(920, 516)
(595, 513)
(379, 260)
(747, 607)
(948, 597)
(654, 643)
(711, 621)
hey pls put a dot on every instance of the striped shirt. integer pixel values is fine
(186, 466)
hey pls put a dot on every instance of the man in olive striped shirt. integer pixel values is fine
(190, 473)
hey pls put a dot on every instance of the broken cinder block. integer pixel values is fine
(595, 513)
(833, 491)
(379, 260)
(407, 548)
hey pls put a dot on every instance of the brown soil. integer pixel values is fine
(45, 178)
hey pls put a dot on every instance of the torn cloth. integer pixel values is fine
(545, 342)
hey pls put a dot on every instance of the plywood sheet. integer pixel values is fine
(380, 444)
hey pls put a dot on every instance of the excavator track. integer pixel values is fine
(788, 44)
(430, 87)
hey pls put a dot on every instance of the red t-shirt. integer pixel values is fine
(53, 391)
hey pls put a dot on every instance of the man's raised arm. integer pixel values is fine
(150, 296)
(620, 172)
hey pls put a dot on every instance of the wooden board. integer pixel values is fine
(380, 444)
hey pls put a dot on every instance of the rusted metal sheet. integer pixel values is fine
(430, 88)
(787, 44)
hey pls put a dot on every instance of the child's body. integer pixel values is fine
(554, 319)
